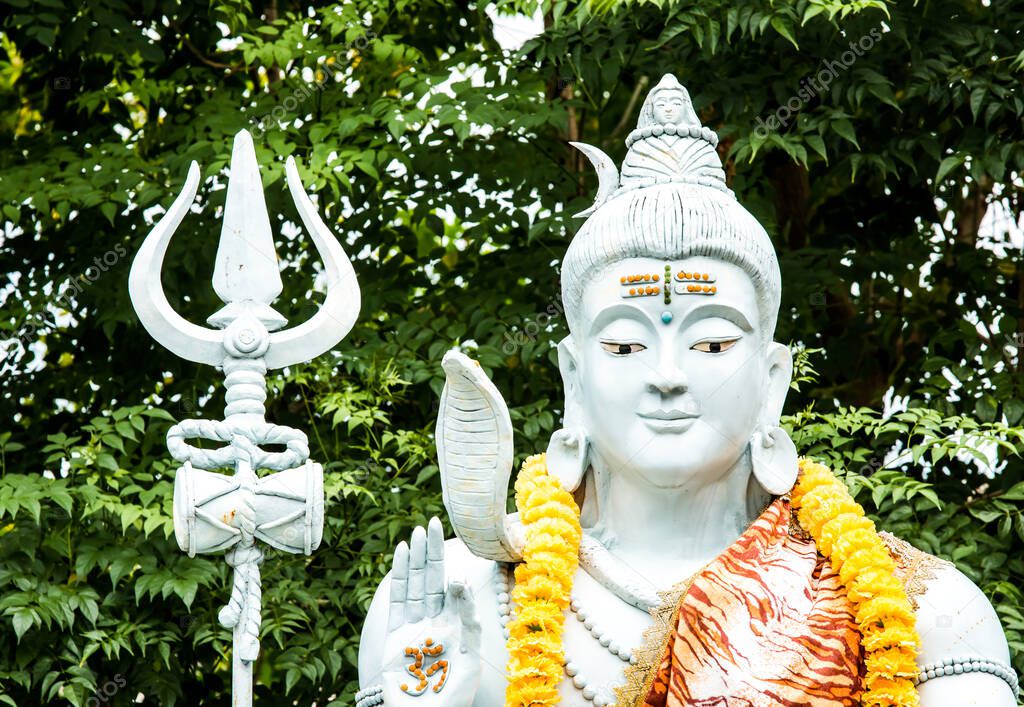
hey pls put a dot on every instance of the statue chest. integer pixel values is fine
(602, 633)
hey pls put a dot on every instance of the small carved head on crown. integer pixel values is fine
(668, 103)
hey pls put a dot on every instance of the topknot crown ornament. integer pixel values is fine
(669, 145)
(670, 201)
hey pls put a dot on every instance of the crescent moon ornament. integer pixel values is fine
(607, 175)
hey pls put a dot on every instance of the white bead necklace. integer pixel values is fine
(602, 636)
(501, 591)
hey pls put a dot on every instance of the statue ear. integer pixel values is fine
(773, 456)
(567, 364)
(567, 452)
(567, 457)
(780, 375)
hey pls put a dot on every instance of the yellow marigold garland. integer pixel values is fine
(543, 584)
(883, 612)
(824, 508)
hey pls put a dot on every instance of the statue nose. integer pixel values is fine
(668, 379)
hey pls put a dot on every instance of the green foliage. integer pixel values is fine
(441, 161)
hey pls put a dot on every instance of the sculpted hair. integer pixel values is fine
(673, 221)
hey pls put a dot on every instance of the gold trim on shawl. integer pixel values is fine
(640, 675)
(914, 568)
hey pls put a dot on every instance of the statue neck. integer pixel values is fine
(668, 533)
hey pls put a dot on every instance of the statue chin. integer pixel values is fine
(668, 458)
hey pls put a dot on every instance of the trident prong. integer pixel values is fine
(341, 306)
(245, 259)
(172, 331)
(214, 512)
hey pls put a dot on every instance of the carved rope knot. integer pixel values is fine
(244, 438)
(244, 441)
(239, 555)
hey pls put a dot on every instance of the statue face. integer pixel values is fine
(669, 107)
(671, 401)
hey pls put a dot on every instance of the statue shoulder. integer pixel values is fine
(955, 618)
(957, 625)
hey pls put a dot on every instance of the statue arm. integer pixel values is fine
(957, 624)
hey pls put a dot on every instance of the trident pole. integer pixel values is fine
(283, 507)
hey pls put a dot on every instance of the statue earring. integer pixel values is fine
(567, 457)
(773, 457)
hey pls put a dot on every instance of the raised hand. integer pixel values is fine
(432, 651)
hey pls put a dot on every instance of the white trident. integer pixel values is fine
(215, 512)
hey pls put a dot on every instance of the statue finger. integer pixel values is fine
(434, 582)
(399, 586)
(461, 598)
(417, 570)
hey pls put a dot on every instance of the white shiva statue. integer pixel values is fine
(696, 583)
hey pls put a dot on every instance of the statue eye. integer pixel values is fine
(622, 349)
(713, 346)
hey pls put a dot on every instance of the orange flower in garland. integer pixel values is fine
(543, 584)
(883, 612)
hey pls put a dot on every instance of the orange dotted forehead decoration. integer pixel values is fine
(648, 284)
(641, 285)
(695, 283)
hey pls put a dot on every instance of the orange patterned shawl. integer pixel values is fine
(766, 623)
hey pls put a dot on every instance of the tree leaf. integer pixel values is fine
(780, 25)
(23, 620)
(946, 166)
(109, 209)
(844, 128)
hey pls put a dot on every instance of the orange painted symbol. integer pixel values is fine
(421, 655)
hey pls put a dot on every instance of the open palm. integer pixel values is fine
(432, 651)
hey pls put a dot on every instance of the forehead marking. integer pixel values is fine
(643, 284)
(649, 284)
(695, 283)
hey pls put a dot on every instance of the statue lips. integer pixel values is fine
(671, 420)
